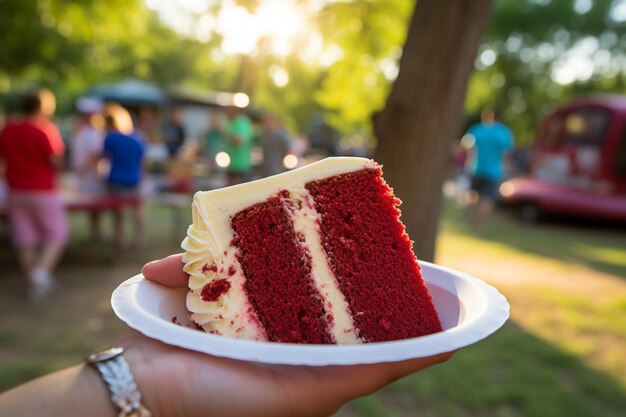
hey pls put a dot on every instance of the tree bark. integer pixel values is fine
(424, 110)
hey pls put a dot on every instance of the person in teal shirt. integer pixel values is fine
(215, 141)
(490, 142)
(239, 133)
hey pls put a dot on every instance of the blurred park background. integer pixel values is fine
(324, 68)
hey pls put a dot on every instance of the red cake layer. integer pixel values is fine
(278, 274)
(371, 257)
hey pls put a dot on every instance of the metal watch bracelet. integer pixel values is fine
(115, 372)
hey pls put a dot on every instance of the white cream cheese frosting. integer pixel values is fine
(210, 257)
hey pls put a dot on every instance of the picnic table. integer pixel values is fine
(76, 203)
(87, 204)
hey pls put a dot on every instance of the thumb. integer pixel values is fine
(167, 271)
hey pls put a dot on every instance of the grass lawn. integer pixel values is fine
(77, 319)
(561, 354)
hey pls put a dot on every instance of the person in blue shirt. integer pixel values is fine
(490, 142)
(125, 151)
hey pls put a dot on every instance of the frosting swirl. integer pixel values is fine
(226, 311)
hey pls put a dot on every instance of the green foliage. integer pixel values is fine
(70, 45)
(292, 102)
(531, 39)
(370, 34)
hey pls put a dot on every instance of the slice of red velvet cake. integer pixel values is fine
(315, 255)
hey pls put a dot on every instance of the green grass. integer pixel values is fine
(372, 406)
(561, 354)
(9, 337)
(601, 247)
(17, 373)
(36, 339)
(578, 313)
(511, 373)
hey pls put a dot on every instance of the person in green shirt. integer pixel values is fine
(239, 133)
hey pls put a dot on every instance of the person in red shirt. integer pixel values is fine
(31, 150)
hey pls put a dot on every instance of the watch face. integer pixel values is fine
(104, 355)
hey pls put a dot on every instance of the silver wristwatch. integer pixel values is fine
(117, 375)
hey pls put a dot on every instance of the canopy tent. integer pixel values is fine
(129, 93)
(134, 93)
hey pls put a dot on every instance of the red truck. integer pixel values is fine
(578, 165)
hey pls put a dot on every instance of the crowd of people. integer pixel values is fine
(32, 154)
(234, 133)
(110, 152)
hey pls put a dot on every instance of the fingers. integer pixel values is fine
(358, 380)
(167, 271)
(399, 370)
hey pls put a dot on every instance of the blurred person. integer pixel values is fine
(520, 161)
(125, 151)
(215, 141)
(174, 132)
(85, 153)
(323, 136)
(32, 151)
(489, 142)
(300, 145)
(149, 130)
(275, 143)
(166, 380)
(460, 177)
(239, 134)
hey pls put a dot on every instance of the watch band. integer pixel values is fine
(116, 373)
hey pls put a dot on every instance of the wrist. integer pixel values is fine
(116, 374)
(157, 378)
(143, 378)
(157, 394)
(97, 395)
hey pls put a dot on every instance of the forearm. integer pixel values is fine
(76, 391)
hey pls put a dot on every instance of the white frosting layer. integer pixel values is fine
(306, 223)
(209, 255)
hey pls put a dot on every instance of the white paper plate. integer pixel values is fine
(469, 309)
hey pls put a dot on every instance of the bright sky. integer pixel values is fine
(282, 26)
(278, 23)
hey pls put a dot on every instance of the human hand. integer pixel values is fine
(177, 382)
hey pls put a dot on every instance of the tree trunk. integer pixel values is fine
(424, 110)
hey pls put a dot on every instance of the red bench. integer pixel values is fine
(75, 202)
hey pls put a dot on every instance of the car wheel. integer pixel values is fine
(529, 213)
